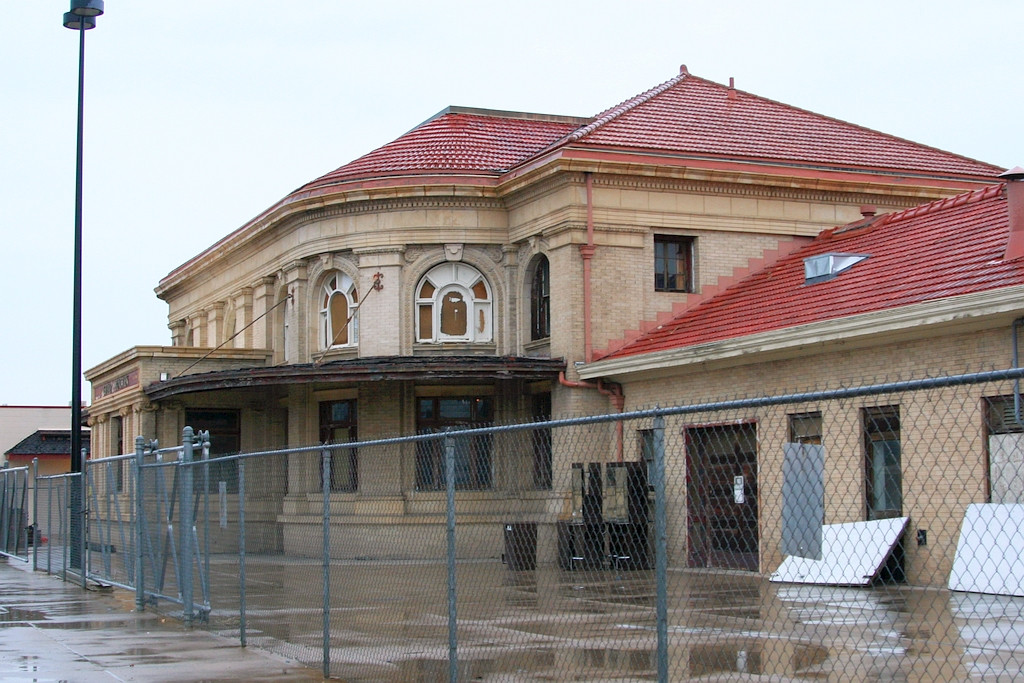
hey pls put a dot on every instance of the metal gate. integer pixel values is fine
(142, 525)
(14, 535)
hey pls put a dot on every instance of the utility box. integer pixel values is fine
(610, 518)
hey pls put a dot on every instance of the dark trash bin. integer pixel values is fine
(521, 546)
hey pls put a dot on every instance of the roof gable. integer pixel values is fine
(690, 115)
(931, 252)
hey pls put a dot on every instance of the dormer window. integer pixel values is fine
(826, 266)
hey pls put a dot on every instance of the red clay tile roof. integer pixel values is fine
(684, 115)
(457, 141)
(943, 249)
(690, 115)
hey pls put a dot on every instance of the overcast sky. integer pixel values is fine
(202, 113)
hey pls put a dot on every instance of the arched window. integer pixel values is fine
(339, 301)
(540, 300)
(453, 303)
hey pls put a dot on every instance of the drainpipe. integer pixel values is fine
(1016, 363)
(587, 252)
(614, 392)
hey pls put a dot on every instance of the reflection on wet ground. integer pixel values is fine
(389, 623)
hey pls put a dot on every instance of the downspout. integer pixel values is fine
(1016, 364)
(587, 252)
(614, 392)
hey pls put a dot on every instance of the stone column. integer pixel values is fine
(243, 317)
(215, 333)
(262, 298)
(303, 468)
(144, 424)
(177, 328)
(508, 338)
(296, 337)
(197, 323)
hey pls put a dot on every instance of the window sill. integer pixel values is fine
(454, 349)
(538, 348)
(338, 353)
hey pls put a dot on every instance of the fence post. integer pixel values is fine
(241, 551)
(83, 523)
(205, 438)
(140, 590)
(185, 526)
(325, 468)
(49, 523)
(660, 549)
(449, 479)
(35, 514)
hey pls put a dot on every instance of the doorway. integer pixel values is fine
(722, 492)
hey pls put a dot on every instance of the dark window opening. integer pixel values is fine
(338, 425)
(883, 468)
(472, 453)
(805, 428)
(540, 301)
(225, 439)
(673, 263)
(117, 446)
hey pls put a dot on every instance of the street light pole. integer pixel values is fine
(81, 18)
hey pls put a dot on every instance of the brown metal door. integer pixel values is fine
(722, 529)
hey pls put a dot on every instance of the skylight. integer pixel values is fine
(826, 266)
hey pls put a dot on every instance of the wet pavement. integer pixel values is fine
(56, 631)
(389, 623)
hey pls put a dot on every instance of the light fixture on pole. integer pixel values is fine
(81, 18)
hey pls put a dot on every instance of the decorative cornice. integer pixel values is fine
(369, 206)
(758, 190)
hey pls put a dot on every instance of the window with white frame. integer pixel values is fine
(339, 301)
(453, 304)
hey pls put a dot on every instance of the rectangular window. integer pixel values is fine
(1005, 449)
(882, 466)
(673, 263)
(646, 445)
(472, 453)
(225, 439)
(805, 428)
(338, 425)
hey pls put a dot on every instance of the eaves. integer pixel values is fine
(912, 321)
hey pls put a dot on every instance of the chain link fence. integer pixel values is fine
(866, 533)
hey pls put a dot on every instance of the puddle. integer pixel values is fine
(15, 615)
(750, 658)
(546, 664)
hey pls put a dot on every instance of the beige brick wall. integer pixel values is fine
(943, 451)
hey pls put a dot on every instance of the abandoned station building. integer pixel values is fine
(476, 270)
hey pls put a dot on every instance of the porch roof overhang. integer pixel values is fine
(439, 369)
